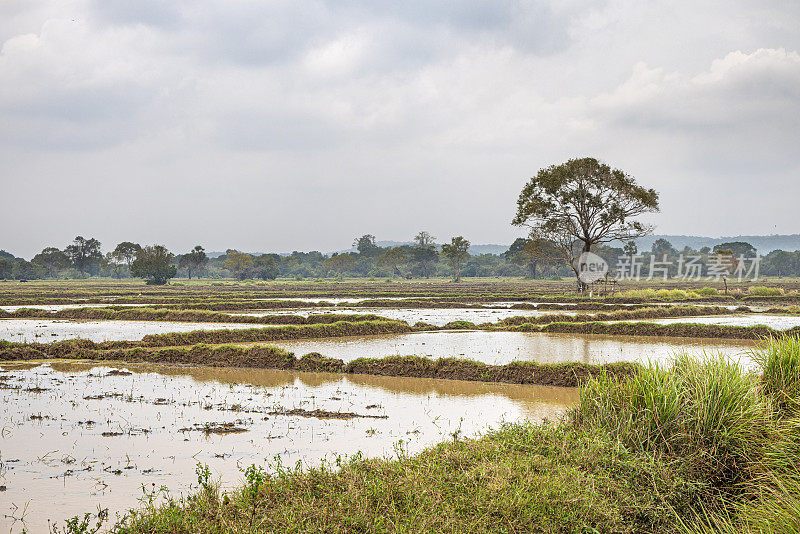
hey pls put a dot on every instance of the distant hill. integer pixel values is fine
(473, 249)
(764, 244)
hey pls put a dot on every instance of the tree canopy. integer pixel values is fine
(193, 261)
(531, 253)
(366, 245)
(584, 202)
(456, 252)
(154, 264)
(84, 253)
(52, 259)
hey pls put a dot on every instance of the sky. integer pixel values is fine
(299, 125)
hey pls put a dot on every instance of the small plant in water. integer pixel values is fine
(255, 477)
(149, 497)
(204, 477)
(88, 524)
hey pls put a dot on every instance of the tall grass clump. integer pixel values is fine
(707, 291)
(706, 412)
(763, 291)
(643, 294)
(671, 294)
(779, 360)
(737, 432)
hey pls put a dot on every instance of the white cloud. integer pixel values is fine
(382, 116)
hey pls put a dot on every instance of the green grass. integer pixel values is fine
(762, 291)
(780, 364)
(755, 332)
(241, 295)
(521, 478)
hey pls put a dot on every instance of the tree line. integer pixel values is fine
(421, 258)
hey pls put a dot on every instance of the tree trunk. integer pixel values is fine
(582, 286)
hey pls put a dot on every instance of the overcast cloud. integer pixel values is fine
(273, 126)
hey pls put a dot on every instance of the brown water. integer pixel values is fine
(50, 330)
(58, 307)
(778, 322)
(75, 436)
(504, 347)
(434, 316)
(336, 300)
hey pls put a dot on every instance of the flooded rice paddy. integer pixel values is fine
(778, 322)
(50, 330)
(77, 436)
(434, 316)
(504, 347)
(59, 307)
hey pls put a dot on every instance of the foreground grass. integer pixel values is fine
(699, 447)
(518, 479)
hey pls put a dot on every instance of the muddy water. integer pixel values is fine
(336, 300)
(58, 307)
(435, 316)
(50, 330)
(78, 436)
(504, 347)
(778, 322)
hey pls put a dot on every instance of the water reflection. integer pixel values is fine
(504, 347)
(50, 330)
(80, 435)
(434, 316)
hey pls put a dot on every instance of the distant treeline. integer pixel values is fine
(423, 258)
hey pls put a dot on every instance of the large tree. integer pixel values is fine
(456, 252)
(392, 259)
(366, 245)
(661, 247)
(6, 268)
(583, 203)
(52, 259)
(154, 264)
(340, 263)
(240, 264)
(423, 254)
(266, 266)
(84, 253)
(737, 248)
(126, 253)
(193, 261)
(531, 253)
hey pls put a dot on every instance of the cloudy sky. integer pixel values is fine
(281, 125)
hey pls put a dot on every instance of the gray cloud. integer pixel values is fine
(218, 122)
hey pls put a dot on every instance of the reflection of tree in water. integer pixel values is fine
(526, 394)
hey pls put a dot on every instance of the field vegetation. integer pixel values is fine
(268, 357)
(471, 291)
(700, 446)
